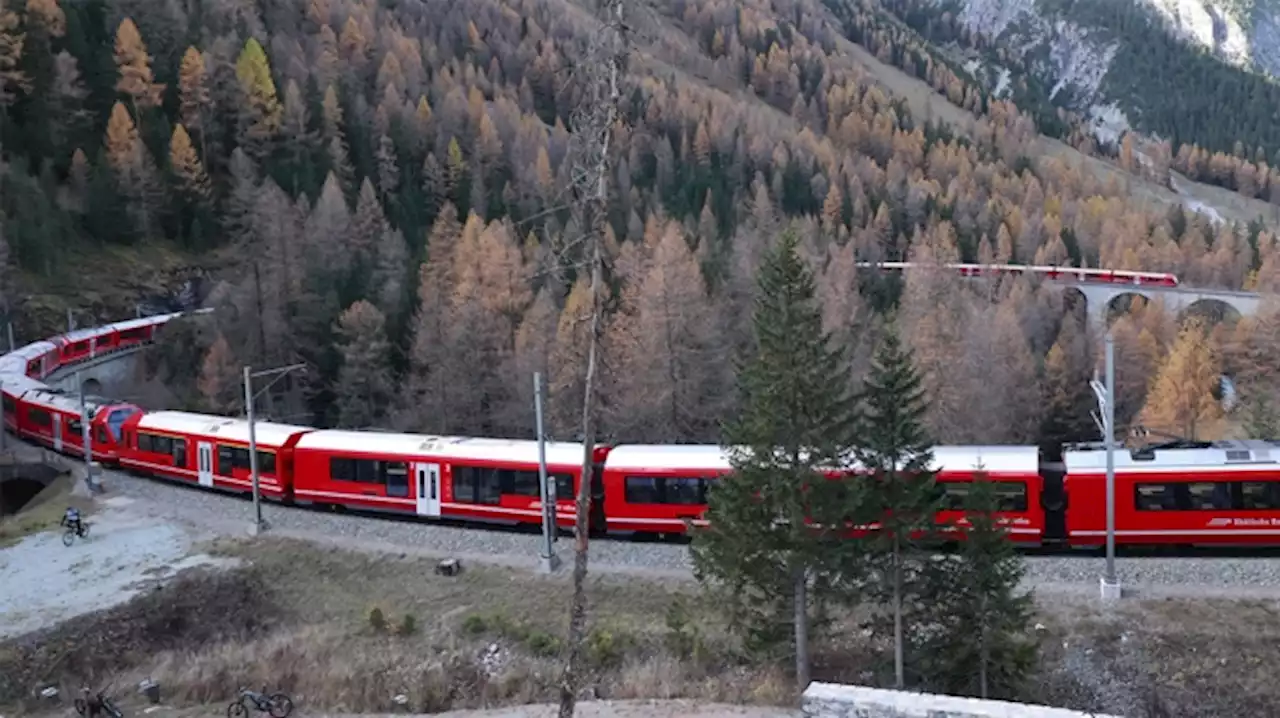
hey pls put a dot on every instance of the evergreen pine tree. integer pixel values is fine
(895, 451)
(978, 644)
(797, 418)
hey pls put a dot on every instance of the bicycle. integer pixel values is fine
(69, 536)
(277, 705)
(108, 707)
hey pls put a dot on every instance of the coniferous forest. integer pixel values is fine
(379, 189)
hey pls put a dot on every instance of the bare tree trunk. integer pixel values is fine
(802, 628)
(899, 679)
(983, 652)
(597, 128)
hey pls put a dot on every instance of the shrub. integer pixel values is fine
(377, 621)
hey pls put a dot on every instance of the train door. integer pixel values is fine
(1053, 499)
(204, 463)
(427, 482)
(57, 431)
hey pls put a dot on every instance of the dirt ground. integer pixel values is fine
(46, 582)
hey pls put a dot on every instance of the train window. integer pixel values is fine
(230, 459)
(266, 462)
(130, 334)
(154, 444)
(679, 491)
(1011, 496)
(1208, 495)
(476, 485)
(342, 469)
(362, 471)
(1156, 497)
(685, 491)
(367, 472)
(116, 419)
(524, 483)
(564, 487)
(39, 417)
(1260, 495)
(397, 473)
(643, 490)
(179, 452)
(75, 427)
(9, 405)
(101, 436)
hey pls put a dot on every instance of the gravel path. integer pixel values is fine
(1144, 576)
(46, 582)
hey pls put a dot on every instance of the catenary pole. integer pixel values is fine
(249, 394)
(253, 450)
(1110, 424)
(85, 440)
(547, 491)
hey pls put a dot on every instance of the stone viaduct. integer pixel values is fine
(1101, 287)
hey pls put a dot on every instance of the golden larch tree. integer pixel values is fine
(568, 358)
(260, 111)
(186, 166)
(134, 65)
(662, 343)
(193, 96)
(1181, 399)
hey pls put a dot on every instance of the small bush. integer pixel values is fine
(377, 621)
(474, 625)
(408, 625)
(541, 643)
(606, 648)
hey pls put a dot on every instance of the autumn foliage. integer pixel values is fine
(415, 157)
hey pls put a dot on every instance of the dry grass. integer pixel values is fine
(43, 512)
(1191, 657)
(301, 619)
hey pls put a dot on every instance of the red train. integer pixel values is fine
(1223, 493)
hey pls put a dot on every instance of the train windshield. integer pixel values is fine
(115, 421)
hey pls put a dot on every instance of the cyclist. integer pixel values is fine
(93, 704)
(71, 519)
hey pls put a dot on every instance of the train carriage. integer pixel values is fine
(656, 489)
(1224, 493)
(55, 419)
(212, 451)
(436, 476)
(1015, 474)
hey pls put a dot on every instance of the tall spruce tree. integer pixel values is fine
(979, 644)
(896, 453)
(797, 417)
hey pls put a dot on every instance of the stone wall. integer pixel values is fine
(832, 700)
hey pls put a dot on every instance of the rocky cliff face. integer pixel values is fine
(1243, 32)
(1070, 46)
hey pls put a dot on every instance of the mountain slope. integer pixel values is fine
(1119, 63)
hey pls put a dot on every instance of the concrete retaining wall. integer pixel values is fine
(832, 700)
